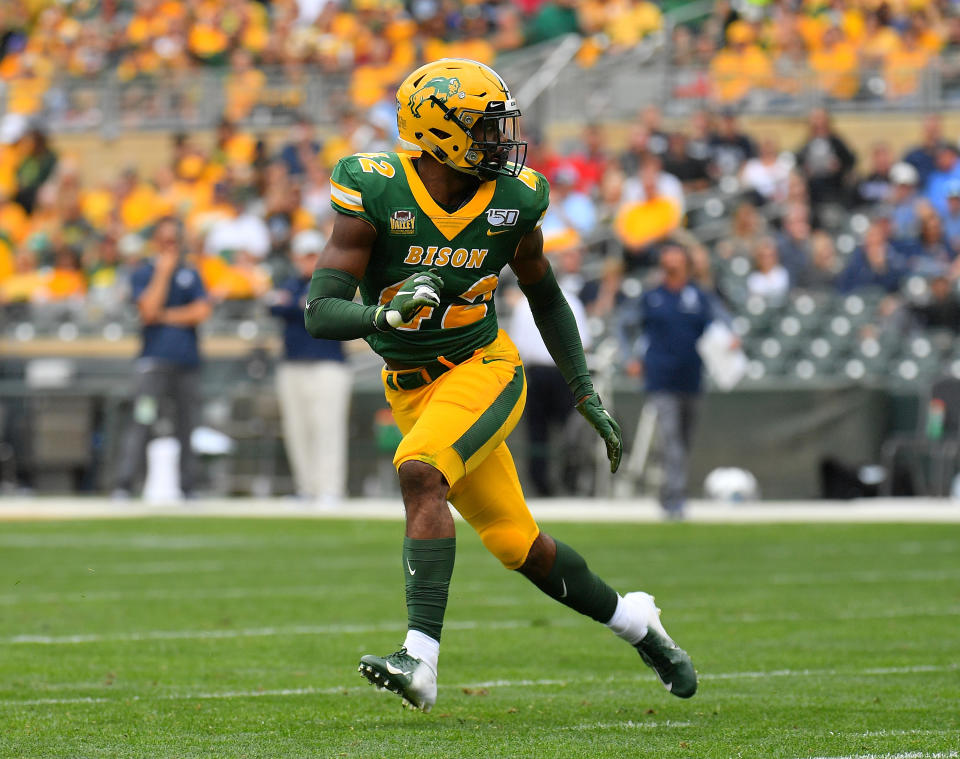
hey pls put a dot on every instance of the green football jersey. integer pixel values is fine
(468, 248)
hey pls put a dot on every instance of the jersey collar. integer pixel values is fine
(449, 224)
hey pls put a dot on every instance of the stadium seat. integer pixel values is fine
(810, 311)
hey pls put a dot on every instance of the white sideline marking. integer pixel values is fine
(310, 691)
(131, 542)
(905, 755)
(913, 510)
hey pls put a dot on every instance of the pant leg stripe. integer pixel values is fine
(492, 419)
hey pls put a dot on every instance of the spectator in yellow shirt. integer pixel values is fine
(376, 80)
(636, 19)
(474, 44)
(835, 64)
(879, 40)
(233, 147)
(207, 41)
(741, 67)
(97, 206)
(27, 87)
(66, 280)
(136, 202)
(905, 65)
(243, 86)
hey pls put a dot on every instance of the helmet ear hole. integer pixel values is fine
(440, 134)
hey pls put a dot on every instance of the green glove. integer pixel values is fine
(418, 291)
(593, 411)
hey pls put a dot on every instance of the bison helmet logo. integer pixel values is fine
(440, 87)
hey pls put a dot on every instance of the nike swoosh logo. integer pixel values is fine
(394, 670)
(411, 570)
(564, 583)
(491, 233)
(491, 360)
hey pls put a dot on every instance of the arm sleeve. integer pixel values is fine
(557, 326)
(331, 313)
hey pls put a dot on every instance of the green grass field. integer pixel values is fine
(240, 638)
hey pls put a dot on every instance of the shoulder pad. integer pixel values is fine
(530, 191)
(359, 179)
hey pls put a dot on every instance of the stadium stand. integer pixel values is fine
(833, 248)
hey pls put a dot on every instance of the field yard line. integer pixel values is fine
(256, 632)
(58, 701)
(313, 591)
(626, 723)
(873, 671)
(901, 733)
(861, 576)
(538, 683)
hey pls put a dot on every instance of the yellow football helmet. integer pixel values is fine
(461, 112)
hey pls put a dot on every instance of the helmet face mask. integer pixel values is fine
(461, 113)
(496, 149)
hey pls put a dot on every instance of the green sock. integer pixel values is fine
(573, 584)
(427, 567)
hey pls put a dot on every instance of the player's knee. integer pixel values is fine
(508, 543)
(540, 558)
(419, 481)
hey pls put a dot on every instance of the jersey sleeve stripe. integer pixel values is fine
(540, 220)
(344, 204)
(345, 193)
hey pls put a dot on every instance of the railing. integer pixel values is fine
(197, 99)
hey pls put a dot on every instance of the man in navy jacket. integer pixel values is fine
(171, 302)
(671, 318)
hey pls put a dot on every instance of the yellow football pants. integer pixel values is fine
(458, 424)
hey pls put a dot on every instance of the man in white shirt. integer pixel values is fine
(640, 188)
(549, 401)
(768, 279)
(246, 232)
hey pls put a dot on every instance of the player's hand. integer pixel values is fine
(418, 291)
(606, 426)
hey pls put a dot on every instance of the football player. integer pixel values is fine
(424, 235)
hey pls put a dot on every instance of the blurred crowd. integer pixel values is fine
(377, 41)
(770, 51)
(812, 216)
(743, 51)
